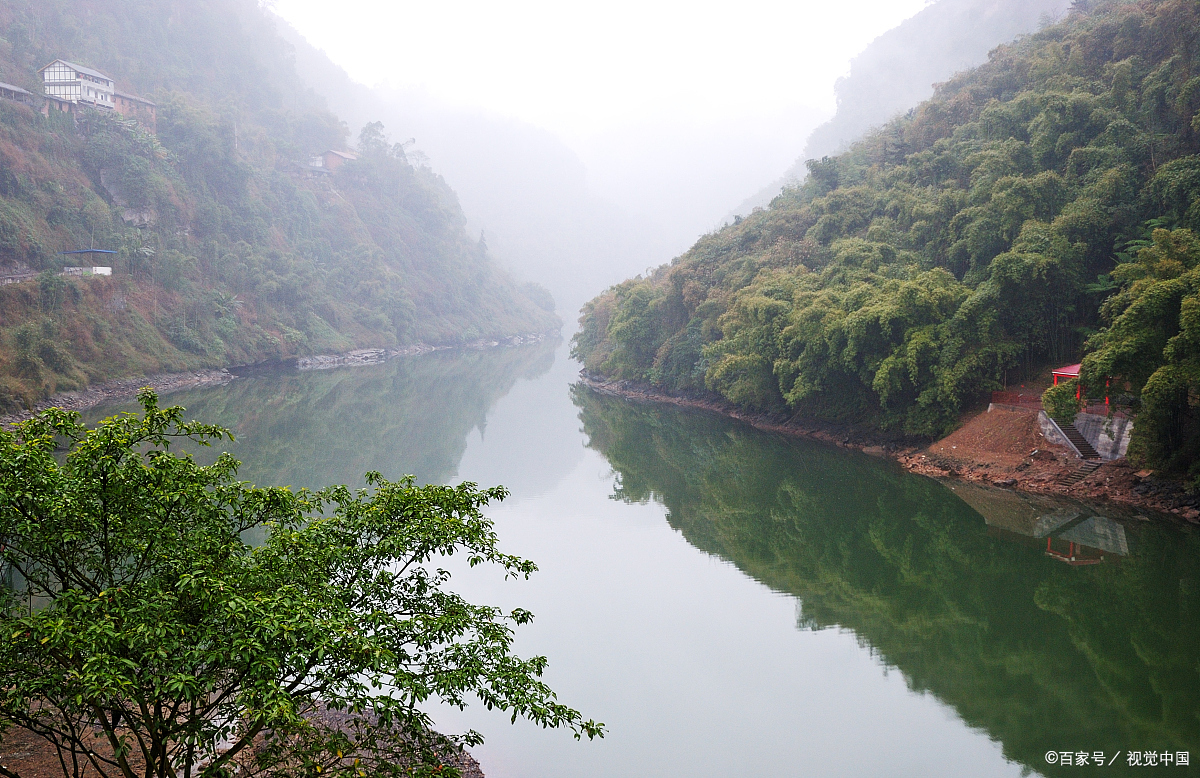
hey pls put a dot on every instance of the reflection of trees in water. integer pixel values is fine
(410, 415)
(1040, 655)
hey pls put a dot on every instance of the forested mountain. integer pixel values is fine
(899, 69)
(230, 248)
(521, 185)
(1020, 217)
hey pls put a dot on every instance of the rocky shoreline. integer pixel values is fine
(372, 356)
(165, 383)
(122, 389)
(1040, 466)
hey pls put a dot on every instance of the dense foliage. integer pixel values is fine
(1063, 400)
(144, 636)
(1153, 343)
(1023, 647)
(230, 250)
(972, 241)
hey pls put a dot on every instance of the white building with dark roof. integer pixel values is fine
(78, 84)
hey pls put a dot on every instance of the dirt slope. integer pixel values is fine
(1006, 447)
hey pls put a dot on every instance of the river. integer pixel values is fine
(733, 602)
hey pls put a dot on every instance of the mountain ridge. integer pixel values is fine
(900, 69)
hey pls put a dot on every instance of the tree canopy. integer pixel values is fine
(145, 635)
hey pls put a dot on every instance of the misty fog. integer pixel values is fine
(693, 309)
(578, 211)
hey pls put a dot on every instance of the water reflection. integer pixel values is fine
(407, 416)
(1038, 654)
(696, 666)
(1074, 532)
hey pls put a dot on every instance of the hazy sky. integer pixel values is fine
(582, 68)
(694, 104)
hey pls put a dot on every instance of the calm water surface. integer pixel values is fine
(731, 602)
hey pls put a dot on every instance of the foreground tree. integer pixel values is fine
(142, 635)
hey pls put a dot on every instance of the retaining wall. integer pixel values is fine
(1110, 437)
(1053, 434)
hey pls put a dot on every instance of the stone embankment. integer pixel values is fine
(1005, 448)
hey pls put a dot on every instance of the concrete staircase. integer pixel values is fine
(1086, 468)
(1085, 449)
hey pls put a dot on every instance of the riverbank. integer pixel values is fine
(871, 441)
(373, 356)
(124, 389)
(1003, 447)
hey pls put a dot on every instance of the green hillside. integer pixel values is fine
(1019, 218)
(229, 251)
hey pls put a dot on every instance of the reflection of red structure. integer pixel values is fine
(1076, 553)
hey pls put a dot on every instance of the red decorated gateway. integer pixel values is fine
(1072, 371)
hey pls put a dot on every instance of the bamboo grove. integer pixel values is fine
(1039, 208)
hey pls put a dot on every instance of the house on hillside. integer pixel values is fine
(17, 95)
(138, 108)
(78, 85)
(330, 161)
(68, 86)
